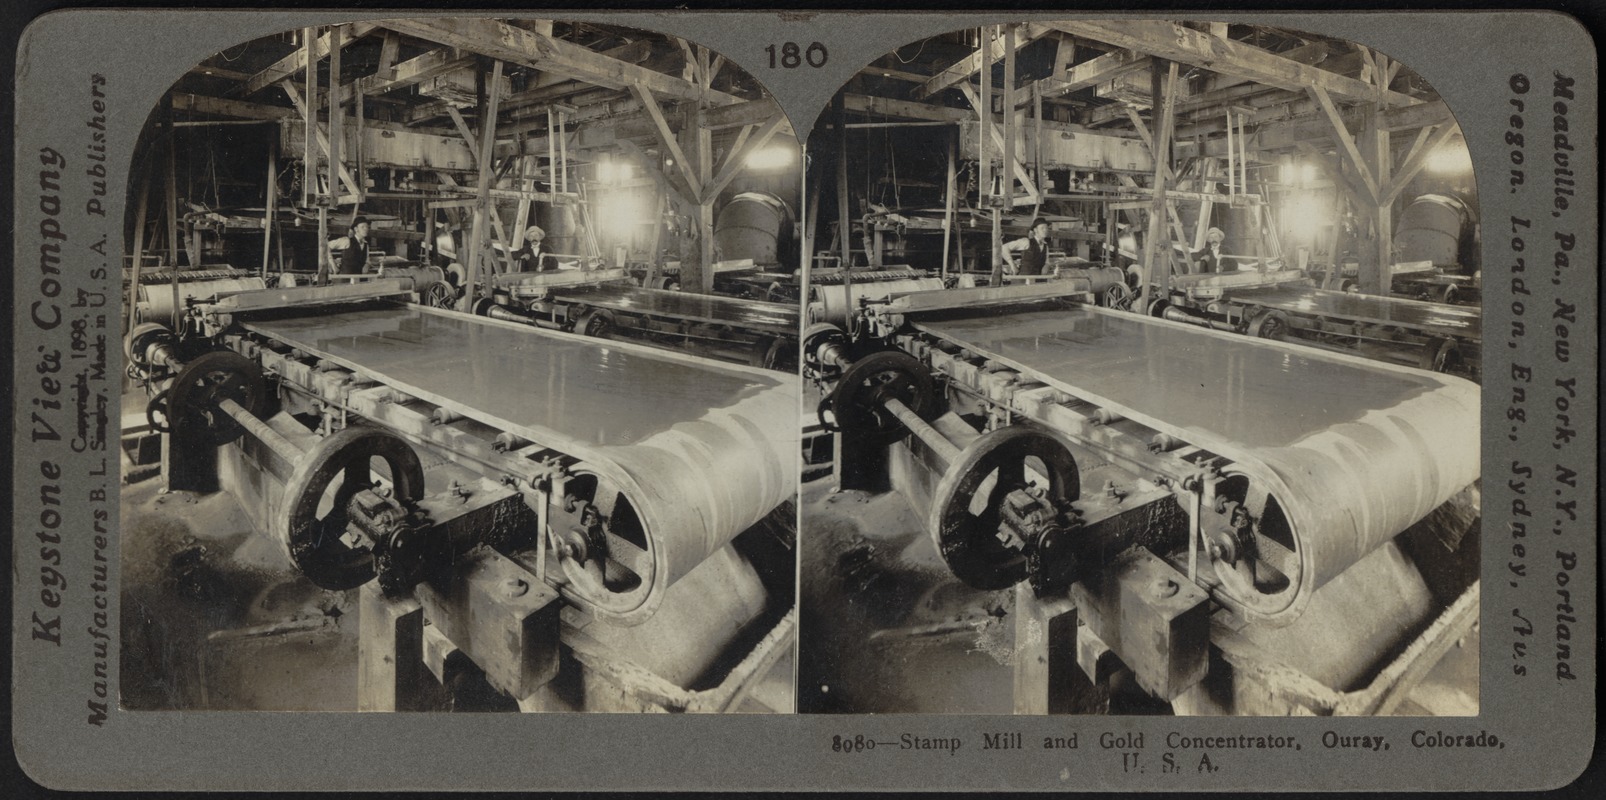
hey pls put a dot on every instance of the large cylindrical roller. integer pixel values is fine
(679, 496)
(838, 303)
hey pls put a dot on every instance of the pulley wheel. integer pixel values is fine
(966, 507)
(157, 414)
(1119, 295)
(313, 516)
(1440, 355)
(859, 397)
(818, 335)
(439, 295)
(1269, 324)
(1263, 569)
(140, 339)
(616, 576)
(204, 383)
(594, 322)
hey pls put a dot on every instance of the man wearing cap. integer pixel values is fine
(532, 257)
(353, 248)
(1033, 250)
(1210, 259)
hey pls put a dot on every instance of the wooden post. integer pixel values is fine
(844, 232)
(309, 163)
(1037, 140)
(271, 204)
(336, 107)
(171, 204)
(1045, 650)
(705, 200)
(1008, 170)
(139, 243)
(1376, 142)
(949, 200)
(482, 207)
(1157, 256)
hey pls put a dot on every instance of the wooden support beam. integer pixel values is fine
(990, 51)
(1156, 258)
(464, 131)
(476, 246)
(336, 134)
(1093, 72)
(1416, 159)
(1176, 43)
(412, 71)
(752, 112)
(322, 140)
(666, 137)
(296, 62)
(389, 50)
(738, 155)
(1377, 272)
(905, 109)
(514, 45)
(1033, 195)
(1143, 133)
(1342, 135)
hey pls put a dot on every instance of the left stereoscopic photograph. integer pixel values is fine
(461, 376)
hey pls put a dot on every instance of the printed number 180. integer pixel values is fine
(791, 56)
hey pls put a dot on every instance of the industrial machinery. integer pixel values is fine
(1236, 525)
(1284, 303)
(588, 524)
(603, 303)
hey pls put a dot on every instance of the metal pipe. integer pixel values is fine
(946, 450)
(282, 447)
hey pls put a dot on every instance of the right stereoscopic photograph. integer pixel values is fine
(1145, 357)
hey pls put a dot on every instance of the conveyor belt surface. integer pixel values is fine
(1354, 451)
(1465, 323)
(582, 391)
(777, 318)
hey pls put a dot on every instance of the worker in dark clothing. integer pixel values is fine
(1033, 250)
(353, 248)
(1210, 259)
(532, 257)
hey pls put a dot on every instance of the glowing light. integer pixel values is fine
(770, 159)
(1304, 216)
(619, 214)
(613, 173)
(1451, 158)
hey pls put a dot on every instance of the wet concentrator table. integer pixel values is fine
(559, 388)
(1432, 318)
(758, 315)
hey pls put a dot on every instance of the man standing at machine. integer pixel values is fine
(532, 257)
(352, 249)
(1033, 250)
(1209, 259)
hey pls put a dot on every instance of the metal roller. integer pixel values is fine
(156, 299)
(832, 303)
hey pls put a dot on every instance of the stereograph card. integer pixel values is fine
(588, 399)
